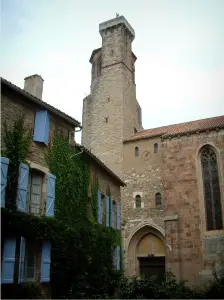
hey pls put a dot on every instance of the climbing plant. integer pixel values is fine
(16, 141)
(81, 262)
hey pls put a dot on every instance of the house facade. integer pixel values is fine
(29, 260)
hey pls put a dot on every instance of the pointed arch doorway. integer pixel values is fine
(146, 253)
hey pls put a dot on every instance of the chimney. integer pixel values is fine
(34, 85)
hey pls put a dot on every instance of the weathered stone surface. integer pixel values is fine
(174, 171)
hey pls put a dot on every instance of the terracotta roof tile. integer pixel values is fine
(181, 128)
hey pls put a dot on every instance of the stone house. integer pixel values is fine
(22, 260)
(173, 202)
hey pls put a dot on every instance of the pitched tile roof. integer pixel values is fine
(41, 102)
(180, 129)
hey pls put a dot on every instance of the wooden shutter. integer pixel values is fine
(4, 173)
(107, 211)
(118, 216)
(118, 258)
(36, 192)
(113, 258)
(22, 260)
(111, 213)
(8, 260)
(51, 180)
(22, 187)
(45, 262)
(41, 127)
(99, 206)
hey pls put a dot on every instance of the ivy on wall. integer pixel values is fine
(81, 248)
(16, 145)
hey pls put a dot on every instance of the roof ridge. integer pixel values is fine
(39, 101)
(180, 128)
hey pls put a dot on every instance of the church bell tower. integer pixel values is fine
(111, 112)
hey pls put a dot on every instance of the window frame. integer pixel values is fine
(156, 199)
(156, 148)
(32, 173)
(138, 199)
(209, 173)
(27, 249)
(137, 152)
(197, 160)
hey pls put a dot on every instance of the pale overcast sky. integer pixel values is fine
(179, 46)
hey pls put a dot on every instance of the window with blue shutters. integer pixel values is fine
(4, 173)
(51, 181)
(41, 127)
(45, 262)
(118, 216)
(111, 213)
(103, 208)
(8, 260)
(21, 260)
(99, 208)
(107, 211)
(118, 252)
(22, 187)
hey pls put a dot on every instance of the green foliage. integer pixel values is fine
(81, 248)
(72, 182)
(82, 260)
(155, 288)
(17, 141)
(22, 291)
(94, 195)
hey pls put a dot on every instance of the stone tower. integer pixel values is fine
(111, 112)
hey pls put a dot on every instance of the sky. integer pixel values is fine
(179, 47)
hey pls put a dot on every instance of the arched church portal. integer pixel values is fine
(146, 253)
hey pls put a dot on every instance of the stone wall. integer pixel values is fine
(143, 176)
(194, 248)
(14, 106)
(109, 113)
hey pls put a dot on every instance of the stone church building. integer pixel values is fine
(172, 207)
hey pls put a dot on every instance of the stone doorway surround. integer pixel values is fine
(143, 228)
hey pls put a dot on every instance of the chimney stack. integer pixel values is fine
(34, 85)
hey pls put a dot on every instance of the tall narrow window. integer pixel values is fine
(136, 151)
(212, 196)
(155, 148)
(138, 201)
(30, 263)
(158, 199)
(34, 193)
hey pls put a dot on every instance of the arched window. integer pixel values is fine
(158, 199)
(136, 151)
(155, 148)
(212, 196)
(138, 201)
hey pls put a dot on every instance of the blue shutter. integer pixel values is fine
(41, 127)
(112, 256)
(45, 262)
(51, 179)
(22, 260)
(4, 172)
(118, 258)
(8, 260)
(118, 216)
(111, 213)
(99, 208)
(107, 211)
(22, 187)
